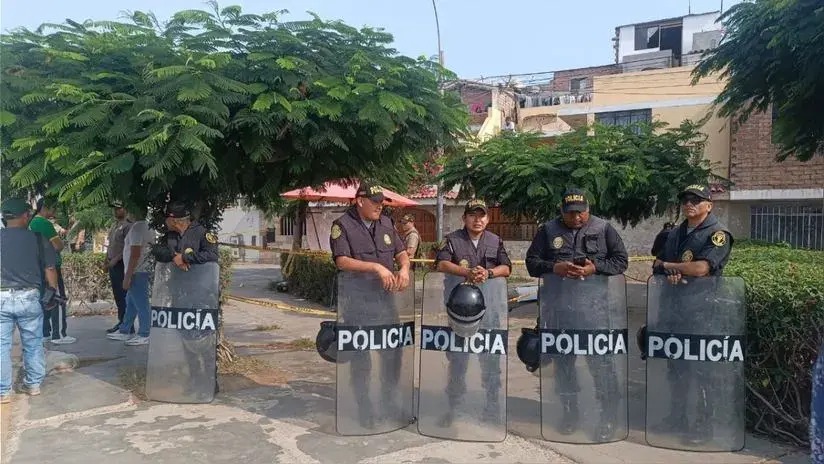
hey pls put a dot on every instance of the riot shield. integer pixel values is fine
(462, 392)
(583, 345)
(375, 355)
(695, 363)
(182, 364)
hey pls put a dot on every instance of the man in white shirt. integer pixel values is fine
(136, 256)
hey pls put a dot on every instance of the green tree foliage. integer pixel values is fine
(630, 173)
(212, 105)
(773, 54)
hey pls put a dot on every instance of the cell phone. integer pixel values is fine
(579, 261)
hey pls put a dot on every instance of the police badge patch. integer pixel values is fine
(464, 263)
(719, 238)
(557, 243)
(386, 239)
(335, 231)
(686, 257)
(211, 238)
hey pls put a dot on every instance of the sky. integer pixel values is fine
(480, 38)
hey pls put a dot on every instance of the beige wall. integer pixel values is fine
(653, 85)
(717, 150)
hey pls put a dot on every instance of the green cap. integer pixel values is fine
(14, 208)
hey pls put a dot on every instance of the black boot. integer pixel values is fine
(491, 412)
(366, 417)
(673, 424)
(569, 421)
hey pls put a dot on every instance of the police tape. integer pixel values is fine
(518, 262)
(281, 306)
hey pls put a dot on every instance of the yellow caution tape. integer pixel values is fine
(282, 306)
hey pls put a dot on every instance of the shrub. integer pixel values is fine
(88, 281)
(86, 278)
(785, 316)
(310, 275)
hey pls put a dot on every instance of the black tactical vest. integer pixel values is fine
(683, 247)
(365, 247)
(565, 244)
(465, 254)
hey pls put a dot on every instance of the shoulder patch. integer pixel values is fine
(386, 239)
(211, 238)
(686, 257)
(719, 238)
(336, 231)
(557, 242)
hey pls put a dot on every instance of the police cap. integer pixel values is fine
(372, 191)
(574, 200)
(177, 210)
(699, 190)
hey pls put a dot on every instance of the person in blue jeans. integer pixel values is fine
(136, 260)
(26, 258)
(817, 409)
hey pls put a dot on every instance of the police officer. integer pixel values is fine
(475, 254)
(364, 240)
(699, 247)
(187, 242)
(577, 245)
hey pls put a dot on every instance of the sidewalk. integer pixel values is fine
(284, 411)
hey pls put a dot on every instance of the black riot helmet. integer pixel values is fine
(326, 341)
(466, 308)
(528, 349)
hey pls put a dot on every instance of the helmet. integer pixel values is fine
(641, 340)
(528, 349)
(465, 308)
(326, 341)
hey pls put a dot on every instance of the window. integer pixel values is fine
(624, 118)
(254, 240)
(800, 225)
(647, 37)
(270, 235)
(287, 226)
(577, 84)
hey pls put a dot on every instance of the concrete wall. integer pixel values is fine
(717, 149)
(697, 23)
(655, 85)
(240, 221)
(626, 43)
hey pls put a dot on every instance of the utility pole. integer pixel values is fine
(440, 193)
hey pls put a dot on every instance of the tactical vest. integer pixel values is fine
(565, 244)
(680, 249)
(364, 247)
(465, 254)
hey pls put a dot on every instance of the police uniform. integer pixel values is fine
(598, 241)
(489, 253)
(197, 245)
(373, 242)
(710, 241)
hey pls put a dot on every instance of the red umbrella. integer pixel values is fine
(336, 193)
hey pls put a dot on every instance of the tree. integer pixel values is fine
(213, 105)
(773, 54)
(630, 173)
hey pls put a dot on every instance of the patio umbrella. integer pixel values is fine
(336, 193)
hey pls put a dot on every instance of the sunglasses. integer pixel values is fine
(691, 200)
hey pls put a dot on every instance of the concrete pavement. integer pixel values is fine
(284, 411)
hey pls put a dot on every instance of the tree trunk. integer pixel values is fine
(300, 220)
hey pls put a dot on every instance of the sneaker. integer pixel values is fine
(32, 390)
(113, 329)
(64, 341)
(137, 341)
(5, 399)
(119, 336)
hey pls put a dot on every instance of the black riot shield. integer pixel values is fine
(583, 345)
(375, 356)
(462, 393)
(182, 365)
(695, 363)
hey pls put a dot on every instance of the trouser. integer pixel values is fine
(116, 275)
(21, 309)
(390, 374)
(602, 369)
(138, 305)
(54, 320)
(490, 376)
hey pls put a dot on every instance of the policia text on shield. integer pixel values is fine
(579, 347)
